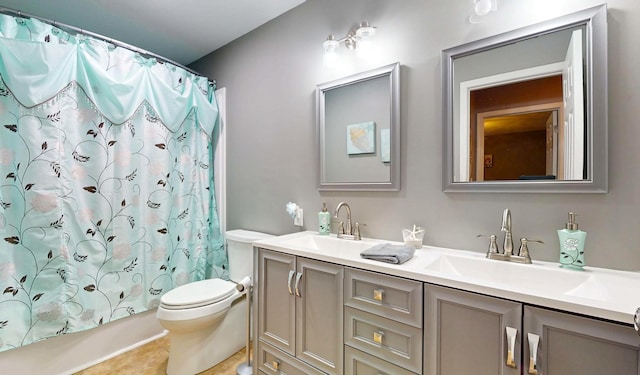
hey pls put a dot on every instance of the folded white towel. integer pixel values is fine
(389, 253)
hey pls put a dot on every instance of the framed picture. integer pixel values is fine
(488, 161)
(361, 138)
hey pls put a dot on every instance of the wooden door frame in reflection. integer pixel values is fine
(480, 117)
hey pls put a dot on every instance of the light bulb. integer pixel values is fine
(365, 35)
(482, 7)
(365, 48)
(365, 31)
(330, 58)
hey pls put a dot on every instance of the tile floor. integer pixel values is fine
(151, 359)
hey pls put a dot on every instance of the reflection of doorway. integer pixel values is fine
(555, 82)
(521, 97)
(541, 84)
(518, 143)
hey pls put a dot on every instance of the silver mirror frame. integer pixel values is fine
(393, 72)
(595, 20)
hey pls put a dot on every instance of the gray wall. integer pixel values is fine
(271, 74)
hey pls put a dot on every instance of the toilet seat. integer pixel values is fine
(197, 294)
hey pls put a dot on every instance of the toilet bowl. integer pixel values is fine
(206, 319)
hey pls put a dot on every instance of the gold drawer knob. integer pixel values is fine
(276, 365)
(377, 337)
(378, 294)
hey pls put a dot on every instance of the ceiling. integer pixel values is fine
(517, 123)
(182, 31)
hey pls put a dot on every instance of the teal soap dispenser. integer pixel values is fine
(572, 244)
(324, 220)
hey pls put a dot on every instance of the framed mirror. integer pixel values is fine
(526, 111)
(358, 131)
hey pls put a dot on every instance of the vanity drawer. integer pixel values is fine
(360, 363)
(389, 296)
(272, 361)
(391, 341)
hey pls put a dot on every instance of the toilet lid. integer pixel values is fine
(199, 293)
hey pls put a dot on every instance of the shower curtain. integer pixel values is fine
(106, 182)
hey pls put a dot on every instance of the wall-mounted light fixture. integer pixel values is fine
(480, 8)
(360, 40)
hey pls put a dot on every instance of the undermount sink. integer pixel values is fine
(607, 288)
(525, 276)
(329, 243)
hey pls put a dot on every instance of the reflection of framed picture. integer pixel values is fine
(488, 161)
(385, 145)
(361, 138)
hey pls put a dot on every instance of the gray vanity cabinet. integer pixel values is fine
(570, 344)
(299, 313)
(321, 318)
(464, 333)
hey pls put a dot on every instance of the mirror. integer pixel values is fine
(526, 111)
(358, 126)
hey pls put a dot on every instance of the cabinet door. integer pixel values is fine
(319, 314)
(465, 333)
(572, 344)
(276, 300)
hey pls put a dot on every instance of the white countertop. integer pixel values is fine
(598, 292)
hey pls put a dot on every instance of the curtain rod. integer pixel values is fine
(17, 13)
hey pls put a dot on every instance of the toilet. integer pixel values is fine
(207, 319)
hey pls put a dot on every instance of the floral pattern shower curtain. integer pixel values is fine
(106, 182)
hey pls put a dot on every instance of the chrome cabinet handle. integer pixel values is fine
(511, 346)
(298, 277)
(533, 353)
(636, 321)
(291, 273)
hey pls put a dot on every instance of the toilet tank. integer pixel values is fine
(240, 252)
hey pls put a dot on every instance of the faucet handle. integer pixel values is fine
(524, 249)
(493, 245)
(356, 231)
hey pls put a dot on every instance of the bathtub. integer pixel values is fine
(73, 352)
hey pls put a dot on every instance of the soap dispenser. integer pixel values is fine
(572, 244)
(324, 220)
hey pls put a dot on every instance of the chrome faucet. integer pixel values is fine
(523, 253)
(342, 231)
(507, 245)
